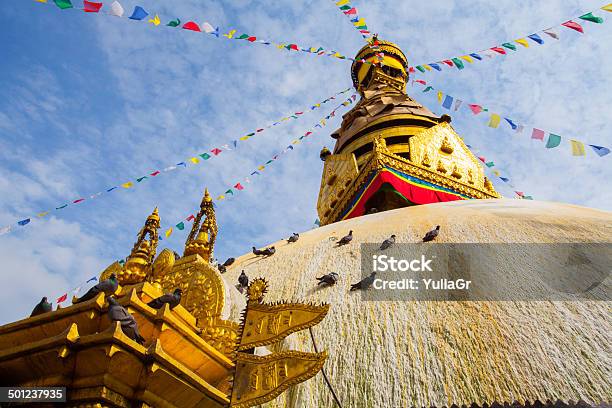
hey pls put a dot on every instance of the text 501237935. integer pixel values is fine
(32, 394)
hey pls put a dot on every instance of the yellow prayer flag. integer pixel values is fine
(41, 1)
(496, 172)
(337, 55)
(127, 185)
(244, 137)
(427, 67)
(221, 197)
(607, 8)
(523, 42)
(495, 119)
(323, 122)
(42, 214)
(280, 46)
(261, 167)
(361, 22)
(467, 58)
(577, 148)
(155, 20)
(194, 160)
(168, 232)
(284, 119)
(295, 142)
(230, 34)
(440, 95)
(342, 2)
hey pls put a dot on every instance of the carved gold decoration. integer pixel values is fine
(261, 379)
(487, 184)
(221, 334)
(162, 265)
(138, 264)
(455, 173)
(201, 239)
(426, 161)
(446, 147)
(441, 167)
(470, 176)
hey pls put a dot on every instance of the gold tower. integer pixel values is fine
(391, 151)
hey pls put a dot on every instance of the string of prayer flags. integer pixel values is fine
(61, 299)
(458, 62)
(195, 160)
(553, 140)
(351, 12)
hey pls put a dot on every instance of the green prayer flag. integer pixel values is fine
(229, 192)
(242, 37)
(269, 161)
(205, 156)
(510, 46)
(345, 7)
(590, 17)
(60, 207)
(141, 178)
(251, 134)
(420, 68)
(429, 88)
(174, 23)
(458, 63)
(490, 164)
(180, 225)
(63, 4)
(553, 141)
(364, 27)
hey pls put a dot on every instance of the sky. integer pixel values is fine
(88, 102)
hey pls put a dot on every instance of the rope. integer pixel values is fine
(323, 370)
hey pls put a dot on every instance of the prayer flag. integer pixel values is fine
(62, 298)
(504, 179)
(429, 88)
(536, 38)
(168, 232)
(494, 121)
(574, 26)
(476, 109)
(216, 151)
(190, 25)
(116, 9)
(512, 124)
(499, 50)
(467, 58)
(91, 7)
(482, 159)
(553, 141)
(24, 222)
(497, 173)
(458, 63)
(577, 148)
(244, 37)
(195, 160)
(155, 173)
(92, 279)
(255, 173)
(261, 167)
(607, 7)
(182, 164)
(440, 94)
(205, 156)
(510, 46)
(458, 103)
(174, 23)
(230, 191)
(42, 214)
(420, 68)
(210, 29)
(180, 225)
(230, 34)
(155, 20)
(239, 186)
(490, 164)
(537, 134)
(63, 4)
(600, 150)
(342, 2)
(190, 218)
(139, 179)
(523, 42)
(66, 205)
(78, 201)
(590, 17)
(476, 56)
(138, 14)
(552, 33)
(520, 193)
(5, 230)
(448, 102)
(127, 185)
(435, 66)
(448, 62)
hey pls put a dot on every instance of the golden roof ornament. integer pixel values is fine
(201, 239)
(446, 147)
(140, 261)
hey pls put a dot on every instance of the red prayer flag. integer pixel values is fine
(420, 81)
(91, 7)
(259, 130)
(294, 47)
(252, 39)
(238, 186)
(519, 193)
(411, 70)
(216, 151)
(299, 113)
(351, 11)
(307, 133)
(574, 26)
(482, 159)
(62, 298)
(448, 62)
(78, 201)
(537, 134)
(155, 173)
(499, 50)
(190, 218)
(476, 109)
(190, 25)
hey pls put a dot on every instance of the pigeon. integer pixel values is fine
(346, 239)
(108, 286)
(117, 313)
(387, 243)
(431, 235)
(329, 279)
(221, 268)
(324, 153)
(269, 251)
(172, 299)
(243, 280)
(229, 261)
(257, 251)
(365, 283)
(42, 307)
(293, 238)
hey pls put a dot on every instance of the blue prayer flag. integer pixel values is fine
(505, 180)
(138, 14)
(448, 102)
(476, 56)
(435, 66)
(512, 124)
(536, 38)
(600, 150)
(93, 279)
(23, 222)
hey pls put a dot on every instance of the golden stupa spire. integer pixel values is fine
(139, 263)
(201, 239)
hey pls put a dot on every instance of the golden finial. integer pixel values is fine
(201, 239)
(207, 197)
(140, 261)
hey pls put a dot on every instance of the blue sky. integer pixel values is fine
(90, 101)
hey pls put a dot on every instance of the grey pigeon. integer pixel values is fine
(346, 239)
(229, 261)
(243, 280)
(329, 279)
(365, 283)
(172, 299)
(269, 251)
(221, 268)
(387, 243)
(293, 238)
(431, 235)
(117, 313)
(42, 307)
(108, 286)
(258, 252)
